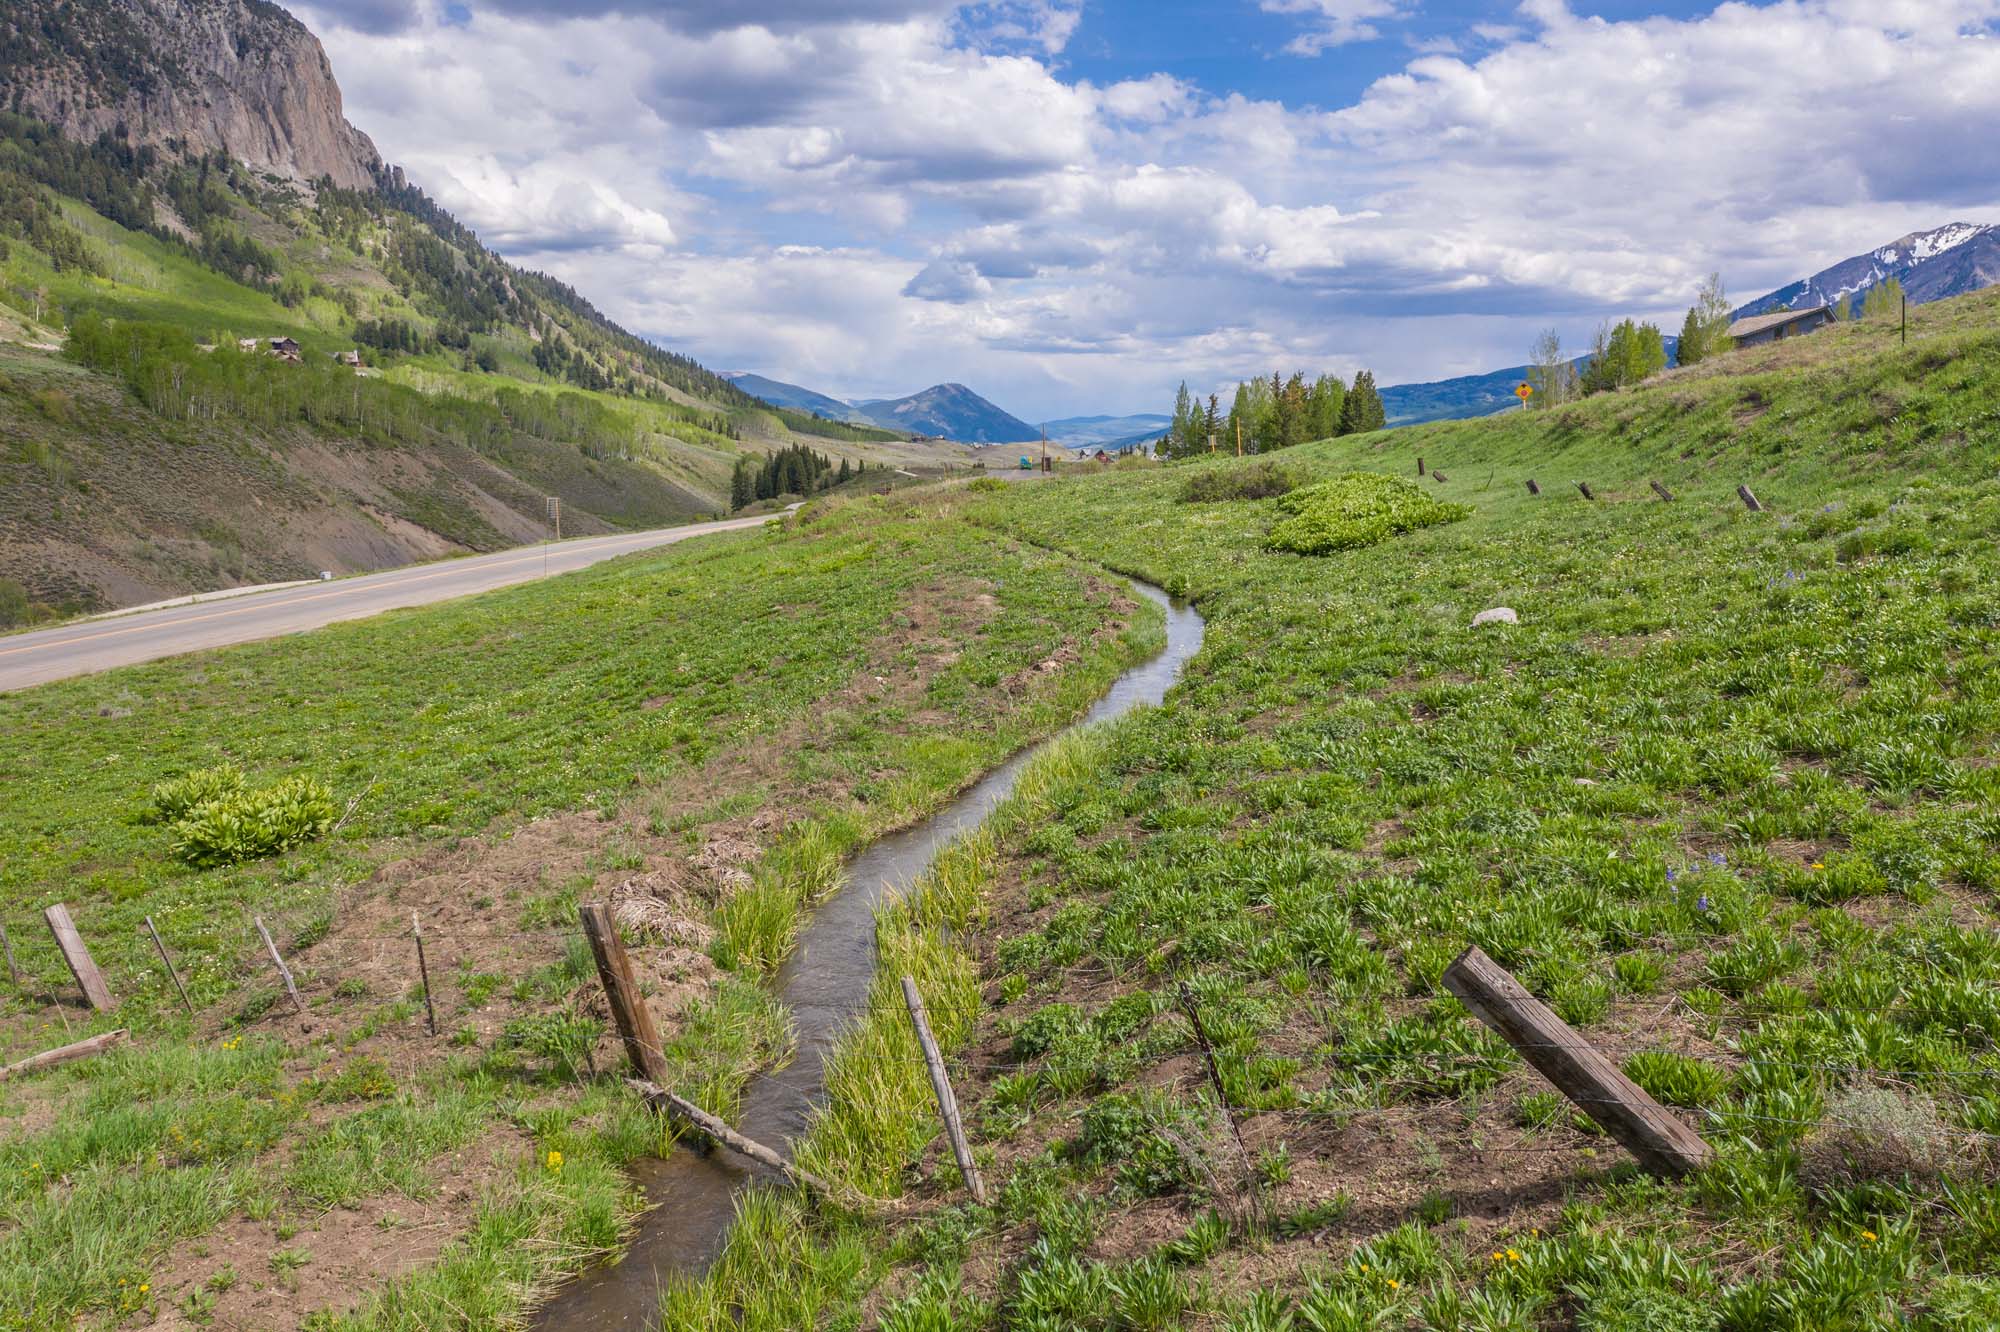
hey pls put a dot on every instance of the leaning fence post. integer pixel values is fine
(1439, 477)
(172, 975)
(1662, 492)
(424, 974)
(1749, 499)
(1533, 489)
(291, 988)
(1576, 1068)
(941, 1084)
(621, 993)
(1186, 997)
(1584, 486)
(88, 978)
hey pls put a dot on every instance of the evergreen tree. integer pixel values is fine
(1242, 418)
(1362, 411)
(742, 485)
(1211, 423)
(1182, 433)
(846, 473)
(1323, 406)
(1691, 352)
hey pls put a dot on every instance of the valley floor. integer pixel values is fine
(1725, 797)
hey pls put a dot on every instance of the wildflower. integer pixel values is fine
(1513, 1255)
(144, 1286)
(1497, 1255)
(1717, 859)
(554, 1159)
(1818, 865)
(1701, 903)
(1395, 1284)
(1869, 1237)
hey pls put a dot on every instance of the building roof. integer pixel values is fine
(1754, 324)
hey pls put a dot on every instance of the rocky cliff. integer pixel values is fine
(242, 76)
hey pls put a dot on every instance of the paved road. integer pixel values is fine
(98, 645)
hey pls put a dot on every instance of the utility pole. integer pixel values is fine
(1906, 319)
(1239, 439)
(555, 517)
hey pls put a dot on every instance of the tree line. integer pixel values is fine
(795, 470)
(1276, 413)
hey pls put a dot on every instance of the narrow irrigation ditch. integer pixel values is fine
(825, 983)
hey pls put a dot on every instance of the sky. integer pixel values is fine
(1074, 205)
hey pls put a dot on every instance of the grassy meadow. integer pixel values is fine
(706, 731)
(1726, 798)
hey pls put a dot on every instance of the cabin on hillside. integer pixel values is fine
(1754, 329)
(350, 359)
(285, 349)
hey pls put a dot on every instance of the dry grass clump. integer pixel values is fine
(1873, 1133)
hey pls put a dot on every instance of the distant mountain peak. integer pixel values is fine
(952, 411)
(1950, 260)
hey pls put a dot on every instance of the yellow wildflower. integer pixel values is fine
(1395, 1284)
(555, 1160)
(1513, 1255)
(1869, 1237)
(1497, 1255)
(145, 1286)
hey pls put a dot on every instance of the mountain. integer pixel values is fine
(157, 443)
(952, 411)
(1105, 432)
(1951, 260)
(780, 394)
(241, 77)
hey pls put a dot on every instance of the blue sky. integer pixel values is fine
(1071, 205)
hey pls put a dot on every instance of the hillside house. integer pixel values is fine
(285, 349)
(350, 359)
(1754, 329)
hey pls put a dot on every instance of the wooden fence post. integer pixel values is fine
(1584, 486)
(1420, 469)
(291, 987)
(621, 992)
(1439, 477)
(65, 1054)
(941, 1084)
(1221, 1095)
(1662, 492)
(1577, 1069)
(172, 975)
(657, 1095)
(1749, 499)
(88, 978)
(1533, 489)
(424, 974)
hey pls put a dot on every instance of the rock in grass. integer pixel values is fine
(1498, 615)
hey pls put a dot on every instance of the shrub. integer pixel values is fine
(1361, 509)
(988, 485)
(1876, 1133)
(1148, 1136)
(13, 603)
(1260, 480)
(249, 825)
(183, 795)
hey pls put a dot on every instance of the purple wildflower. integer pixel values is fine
(1701, 903)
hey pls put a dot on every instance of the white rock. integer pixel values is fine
(1498, 615)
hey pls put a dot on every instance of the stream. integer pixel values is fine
(824, 984)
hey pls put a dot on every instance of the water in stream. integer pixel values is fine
(824, 985)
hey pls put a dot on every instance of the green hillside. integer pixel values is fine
(1725, 798)
(180, 461)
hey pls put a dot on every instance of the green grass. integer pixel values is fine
(745, 667)
(1726, 798)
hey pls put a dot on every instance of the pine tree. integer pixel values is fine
(1323, 406)
(846, 473)
(1362, 411)
(1211, 421)
(1181, 434)
(1242, 418)
(742, 485)
(1691, 351)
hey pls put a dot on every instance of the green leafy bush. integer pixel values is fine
(242, 825)
(176, 799)
(1259, 480)
(1357, 510)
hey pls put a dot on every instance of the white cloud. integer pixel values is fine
(873, 197)
(1334, 22)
